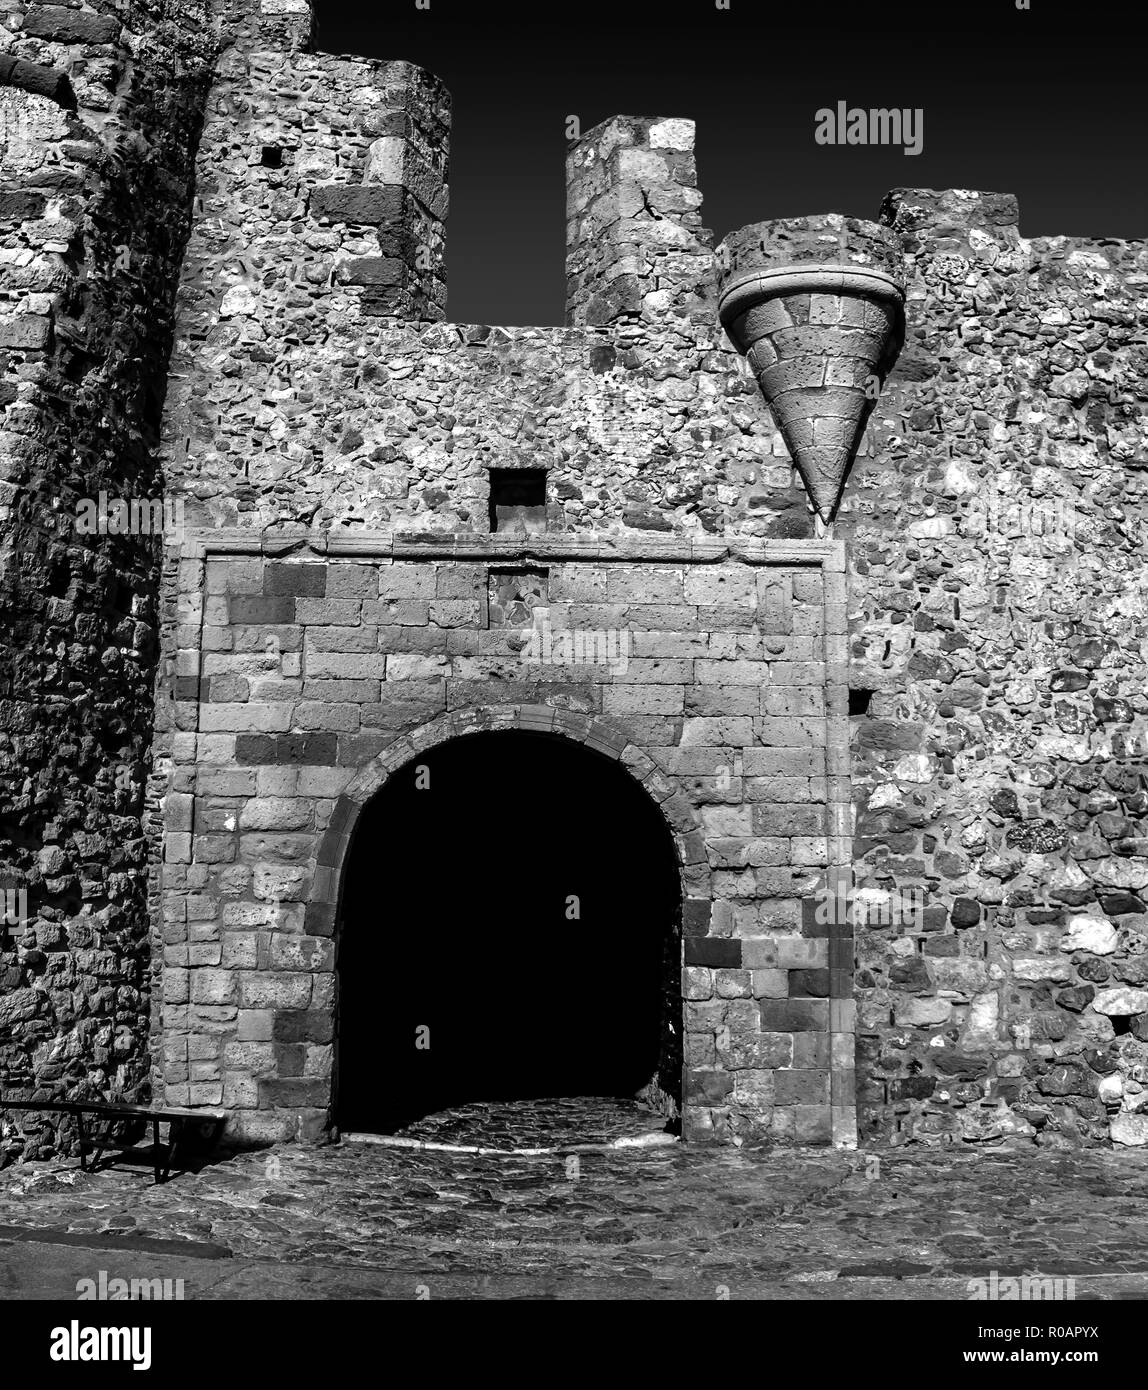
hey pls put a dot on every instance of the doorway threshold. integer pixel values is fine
(396, 1141)
(581, 1124)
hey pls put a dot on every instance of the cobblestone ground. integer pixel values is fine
(647, 1220)
(568, 1125)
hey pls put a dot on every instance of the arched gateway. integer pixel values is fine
(509, 928)
(571, 987)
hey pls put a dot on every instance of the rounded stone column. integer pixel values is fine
(816, 304)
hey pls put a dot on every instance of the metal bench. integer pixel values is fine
(108, 1112)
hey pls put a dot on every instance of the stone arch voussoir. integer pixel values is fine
(606, 736)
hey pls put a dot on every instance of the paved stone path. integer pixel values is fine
(365, 1220)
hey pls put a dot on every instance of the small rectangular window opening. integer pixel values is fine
(517, 501)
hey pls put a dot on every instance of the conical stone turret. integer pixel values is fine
(817, 306)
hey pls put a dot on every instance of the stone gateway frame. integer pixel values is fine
(310, 669)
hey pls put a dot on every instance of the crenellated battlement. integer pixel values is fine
(287, 25)
(635, 243)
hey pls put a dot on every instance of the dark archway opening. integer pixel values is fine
(509, 930)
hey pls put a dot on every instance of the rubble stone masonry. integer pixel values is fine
(926, 698)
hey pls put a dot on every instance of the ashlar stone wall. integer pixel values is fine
(319, 672)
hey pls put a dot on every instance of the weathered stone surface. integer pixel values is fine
(1130, 1130)
(340, 202)
(1042, 968)
(923, 1012)
(1066, 1080)
(63, 25)
(1094, 934)
(1121, 1001)
(37, 79)
(86, 335)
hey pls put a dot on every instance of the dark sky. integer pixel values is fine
(1046, 103)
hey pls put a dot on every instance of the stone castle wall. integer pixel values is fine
(98, 120)
(999, 614)
(319, 401)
